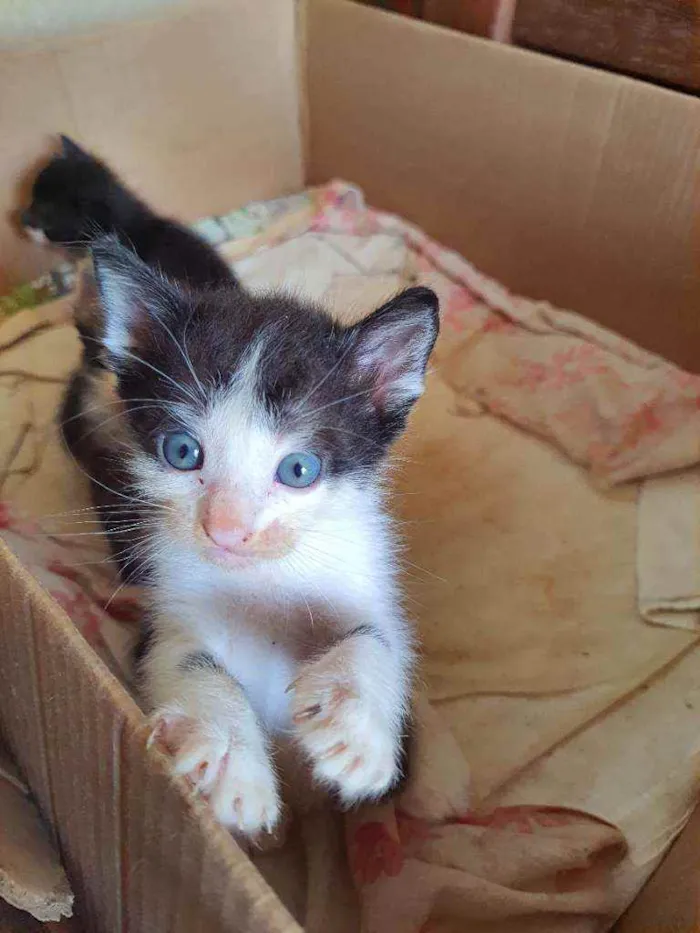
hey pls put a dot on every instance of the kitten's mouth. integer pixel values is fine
(240, 558)
(271, 544)
(224, 555)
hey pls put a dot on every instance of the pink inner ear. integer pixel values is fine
(394, 362)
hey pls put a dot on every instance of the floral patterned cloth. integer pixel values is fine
(526, 646)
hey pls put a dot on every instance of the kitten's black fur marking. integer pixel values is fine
(203, 661)
(109, 478)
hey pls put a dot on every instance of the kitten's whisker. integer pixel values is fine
(158, 372)
(102, 485)
(306, 602)
(84, 534)
(98, 407)
(331, 562)
(339, 401)
(118, 510)
(391, 457)
(109, 488)
(185, 356)
(88, 508)
(310, 582)
(341, 565)
(428, 573)
(119, 414)
(142, 554)
(112, 522)
(163, 375)
(330, 372)
(188, 360)
(111, 558)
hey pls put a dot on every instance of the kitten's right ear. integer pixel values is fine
(133, 298)
(70, 149)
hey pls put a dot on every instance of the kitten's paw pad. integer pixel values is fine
(351, 749)
(245, 797)
(197, 748)
(238, 781)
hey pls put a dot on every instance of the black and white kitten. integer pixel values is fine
(248, 436)
(76, 199)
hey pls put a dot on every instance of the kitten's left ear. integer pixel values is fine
(392, 349)
(70, 149)
(133, 298)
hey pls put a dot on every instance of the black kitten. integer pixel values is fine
(77, 199)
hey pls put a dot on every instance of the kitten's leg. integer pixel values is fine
(203, 718)
(350, 713)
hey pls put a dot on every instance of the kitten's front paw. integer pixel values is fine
(350, 746)
(237, 779)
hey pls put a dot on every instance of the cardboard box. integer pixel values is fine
(563, 182)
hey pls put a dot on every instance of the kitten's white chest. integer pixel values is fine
(260, 643)
(264, 668)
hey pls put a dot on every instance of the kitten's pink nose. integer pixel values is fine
(230, 539)
(224, 525)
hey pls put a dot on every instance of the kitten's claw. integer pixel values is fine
(238, 781)
(351, 748)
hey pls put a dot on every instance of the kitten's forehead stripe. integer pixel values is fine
(290, 354)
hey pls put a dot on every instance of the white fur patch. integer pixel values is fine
(37, 236)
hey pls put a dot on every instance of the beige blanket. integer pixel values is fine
(558, 611)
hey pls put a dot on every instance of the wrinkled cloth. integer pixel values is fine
(546, 488)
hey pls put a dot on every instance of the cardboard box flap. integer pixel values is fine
(565, 183)
(138, 855)
(197, 110)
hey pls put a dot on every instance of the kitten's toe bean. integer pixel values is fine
(349, 745)
(246, 798)
(238, 780)
(197, 748)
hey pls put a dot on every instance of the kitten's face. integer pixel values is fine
(249, 414)
(70, 197)
(242, 482)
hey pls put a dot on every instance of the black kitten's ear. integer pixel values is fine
(70, 149)
(392, 348)
(133, 298)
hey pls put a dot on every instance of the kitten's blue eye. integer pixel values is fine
(299, 470)
(182, 451)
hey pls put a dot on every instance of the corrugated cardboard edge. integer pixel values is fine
(57, 905)
(140, 855)
(563, 182)
(31, 875)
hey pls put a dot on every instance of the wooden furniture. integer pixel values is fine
(654, 39)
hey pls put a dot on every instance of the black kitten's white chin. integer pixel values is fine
(36, 235)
